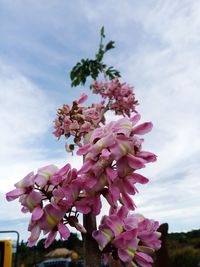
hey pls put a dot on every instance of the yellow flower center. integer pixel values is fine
(30, 204)
(51, 220)
(119, 228)
(131, 252)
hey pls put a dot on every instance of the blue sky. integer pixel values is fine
(157, 51)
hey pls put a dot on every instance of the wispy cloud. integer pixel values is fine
(25, 118)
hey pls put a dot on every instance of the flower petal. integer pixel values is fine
(126, 255)
(129, 186)
(50, 238)
(86, 167)
(83, 98)
(37, 214)
(35, 233)
(135, 118)
(127, 201)
(83, 150)
(15, 194)
(143, 259)
(112, 174)
(134, 162)
(139, 178)
(103, 237)
(148, 156)
(64, 231)
(143, 128)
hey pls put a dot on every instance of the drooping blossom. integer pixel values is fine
(111, 159)
(89, 203)
(22, 187)
(132, 237)
(50, 196)
(120, 96)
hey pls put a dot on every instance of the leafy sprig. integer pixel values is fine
(93, 67)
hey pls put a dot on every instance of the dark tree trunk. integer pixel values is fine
(91, 251)
(162, 257)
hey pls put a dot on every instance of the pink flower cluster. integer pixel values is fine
(49, 196)
(77, 121)
(112, 155)
(111, 159)
(129, 237)
(120, 95)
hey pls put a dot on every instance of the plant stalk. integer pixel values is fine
(91, 251)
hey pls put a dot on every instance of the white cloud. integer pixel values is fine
(174, 198)
(165, 71)
(25, 119)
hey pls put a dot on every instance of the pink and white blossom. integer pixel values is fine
(132, 236)
(112, 158)
(113, 154)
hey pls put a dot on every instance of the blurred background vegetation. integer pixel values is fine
(183, 249)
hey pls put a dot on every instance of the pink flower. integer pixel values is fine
(12, 195)
(90, 203)
(143, 259)
(50, 238)
(121, 96)
(61, 175)
(27, 181)
(112, 155)
(131, 236)
(77, 121)
(112, 158)
(31, 200)
(44, 174)
(85, 127)
(82, 98)
(37, 213)
(22, 187)
(50, 196)
(63, 231)
(148, 234)
(126, 244)
(51, 217)
(103, 237)
(35, 233)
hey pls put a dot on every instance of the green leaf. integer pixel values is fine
(109, 46)
(72, 75)
(102, 32)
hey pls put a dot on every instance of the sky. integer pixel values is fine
(157, 51)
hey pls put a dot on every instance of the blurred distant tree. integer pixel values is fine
(185, 257)
(72, 243)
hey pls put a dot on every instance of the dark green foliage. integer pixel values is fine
(184, 249)
(93, 67)
(185, 257)
(71, 243)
